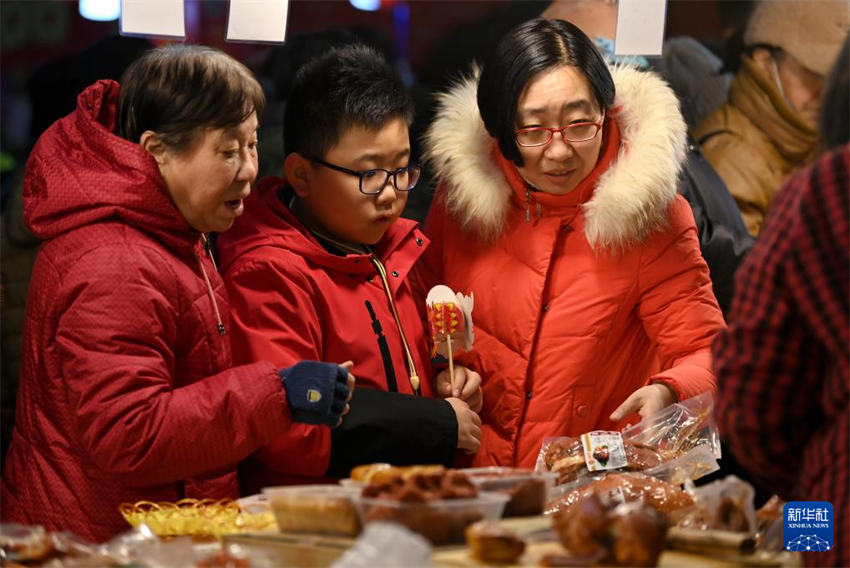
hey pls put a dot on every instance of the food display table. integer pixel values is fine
(317, 551)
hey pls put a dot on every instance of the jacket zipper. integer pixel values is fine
(537, 206)
(219, 323)
(383, 347)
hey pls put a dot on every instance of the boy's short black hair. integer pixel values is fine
(345, 87)
(533, 47)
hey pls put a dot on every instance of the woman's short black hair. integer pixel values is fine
(533, 47)
(179, 90)
(345, 87)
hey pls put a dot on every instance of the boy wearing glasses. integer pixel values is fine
(317, 269)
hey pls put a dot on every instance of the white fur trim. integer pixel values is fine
(631, 198)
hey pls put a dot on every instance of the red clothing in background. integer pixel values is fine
(783, 367)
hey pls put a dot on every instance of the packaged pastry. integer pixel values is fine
(677, 443)
(597, 530)
(528, 490)
(318, 509)
(384, 472)
(666, 498)
(439, 506)
(491, 543)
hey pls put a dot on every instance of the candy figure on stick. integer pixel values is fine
(450, 323)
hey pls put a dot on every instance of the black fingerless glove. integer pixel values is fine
(316, 392)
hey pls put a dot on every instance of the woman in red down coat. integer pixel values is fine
(126, 389)
(558, 209)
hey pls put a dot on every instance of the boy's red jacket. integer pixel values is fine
(292, 300)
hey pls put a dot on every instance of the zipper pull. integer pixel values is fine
(539, 211)
(527, 205)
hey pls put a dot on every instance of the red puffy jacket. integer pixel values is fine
(126, 390)
(578, 302)
(293, 300)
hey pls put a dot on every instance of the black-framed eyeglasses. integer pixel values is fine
(373, 183)
(541, 136)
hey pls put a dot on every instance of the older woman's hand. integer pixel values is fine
(467, 386)
(645, 401)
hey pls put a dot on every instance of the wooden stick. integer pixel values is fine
(451, 362)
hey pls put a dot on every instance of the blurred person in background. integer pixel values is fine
(127, 391)
(768, 127)
(783, 366)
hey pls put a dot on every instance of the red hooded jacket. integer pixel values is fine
(292, 299)
(126, 391)
(580, 299)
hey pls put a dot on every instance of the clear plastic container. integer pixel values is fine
(441, 521)
(317, 509)
(529, 491)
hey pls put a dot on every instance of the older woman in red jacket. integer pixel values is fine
(127, 391)
(558, 208)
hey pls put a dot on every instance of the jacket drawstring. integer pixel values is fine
(414, 376)
(220, 324)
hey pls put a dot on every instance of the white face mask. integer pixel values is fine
(775, 69)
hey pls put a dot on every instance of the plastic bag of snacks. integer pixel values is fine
(726, 504)
(679, 442)
(25, 543)
(198, 517)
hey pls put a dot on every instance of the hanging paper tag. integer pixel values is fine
(603, 450)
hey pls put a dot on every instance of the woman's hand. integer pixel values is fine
(468, 426)
(645, 401)
(467, 387)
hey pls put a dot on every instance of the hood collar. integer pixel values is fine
(267, 221)
(630, 199)
(80, 173)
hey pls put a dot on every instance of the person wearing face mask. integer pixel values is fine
(557, 207)
(768, 127)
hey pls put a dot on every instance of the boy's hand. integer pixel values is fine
(645, 401)
(350, 384)
(467, 386)
(317, 392)
(468, 426)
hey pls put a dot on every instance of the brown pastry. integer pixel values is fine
(417, 491)
(628, 487)
(637, 534)
(566, 458)
(384, 472)
(582, 527)
(491, 543)
(320, 515)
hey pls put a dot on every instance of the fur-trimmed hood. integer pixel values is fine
(631, 197)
